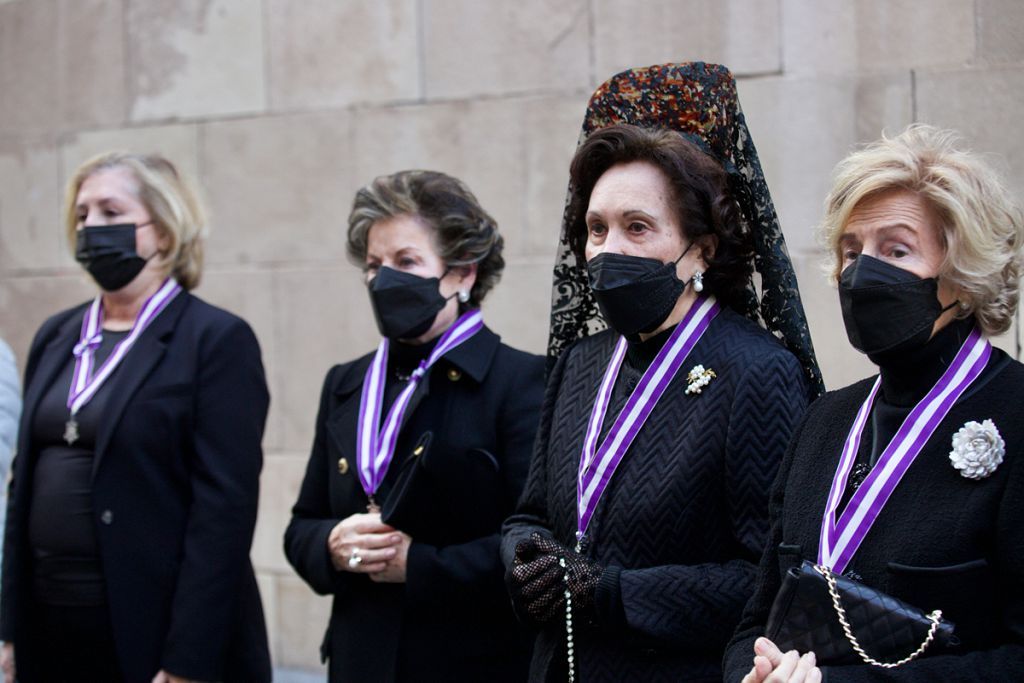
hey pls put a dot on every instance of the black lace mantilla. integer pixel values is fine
(699, 100)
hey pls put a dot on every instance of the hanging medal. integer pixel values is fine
(375, 448)
(840, 538)
(598, 463)
(84, 381)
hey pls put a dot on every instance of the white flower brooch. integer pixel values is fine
(978, 449)
(698, 379)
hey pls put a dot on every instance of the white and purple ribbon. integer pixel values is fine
(597, 464)
(84, 382)
(375, 449)
(840, 539)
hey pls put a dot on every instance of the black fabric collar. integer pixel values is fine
(640, 354)
(474, 357)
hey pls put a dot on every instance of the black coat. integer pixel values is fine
(684, 519)
(941, 542)
(451, 620)
(175, 487)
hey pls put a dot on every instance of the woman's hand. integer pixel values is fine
(363, 544)
(7, 662)
(772, 666)
(164, 677)
(394, 569)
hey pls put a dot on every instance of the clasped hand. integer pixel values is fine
(771, 665)
(538, 579)
(363, 544)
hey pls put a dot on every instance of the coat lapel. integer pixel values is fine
(136, 366)
(341, 423)
(474, 357)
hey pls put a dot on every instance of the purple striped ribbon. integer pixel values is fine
(374, 450)
(598, 466)
(839, 540)
(85, 384)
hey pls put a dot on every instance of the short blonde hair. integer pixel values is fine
(168, 197)
(982, 229)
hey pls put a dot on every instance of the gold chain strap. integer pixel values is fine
(935, 617)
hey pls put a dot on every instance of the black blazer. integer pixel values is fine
(175, 487)
(684, 518)
(941, 542)
(451, 620)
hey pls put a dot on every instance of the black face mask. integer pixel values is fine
(635, 293)
(108, 253)
(405, 305)
(887, 311)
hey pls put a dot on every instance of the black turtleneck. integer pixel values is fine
(905, 381)
(403, 358)
(639, 356)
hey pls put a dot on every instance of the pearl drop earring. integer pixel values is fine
(698, 282)
(463, 296)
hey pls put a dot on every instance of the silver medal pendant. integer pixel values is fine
(71, 431)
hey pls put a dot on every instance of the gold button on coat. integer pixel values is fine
(342, 466)
(454, 374)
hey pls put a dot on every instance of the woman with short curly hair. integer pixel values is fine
(977, 220)
(421, 450)
(909, 483)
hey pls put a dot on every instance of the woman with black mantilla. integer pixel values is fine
(910, 482)
(421, 450)
(634, 545)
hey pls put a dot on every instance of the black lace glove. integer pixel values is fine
(537, 579)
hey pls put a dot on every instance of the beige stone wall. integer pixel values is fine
(282, 108)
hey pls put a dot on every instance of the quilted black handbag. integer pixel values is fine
(846, 622)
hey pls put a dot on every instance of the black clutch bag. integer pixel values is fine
(443, 498)
(845, 622)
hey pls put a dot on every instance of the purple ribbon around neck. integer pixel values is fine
(375, 449)
(84, 383)
(839, 540)
(598, 466)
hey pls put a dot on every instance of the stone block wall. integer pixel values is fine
(280, 110)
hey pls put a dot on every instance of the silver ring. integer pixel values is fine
(355, 559)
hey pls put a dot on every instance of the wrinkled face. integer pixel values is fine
(111, 196)
(402, 243)
(406, 243)
(631, 212)
(896, 227)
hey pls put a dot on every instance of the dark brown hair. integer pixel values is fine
(701, 197)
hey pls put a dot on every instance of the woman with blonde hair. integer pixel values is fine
(133, 501)
(901, 495)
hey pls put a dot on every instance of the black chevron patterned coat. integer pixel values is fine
(683, 521)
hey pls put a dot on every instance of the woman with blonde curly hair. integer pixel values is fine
(905, 485)
(126, 552)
